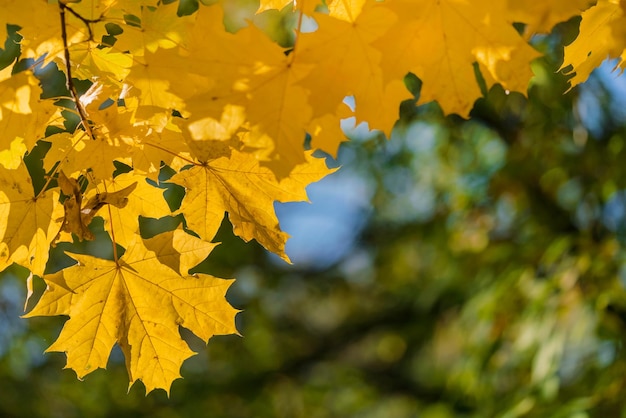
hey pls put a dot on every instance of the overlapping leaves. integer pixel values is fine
(130, 117)
(229, 113)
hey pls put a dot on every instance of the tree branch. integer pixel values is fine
(70, 83)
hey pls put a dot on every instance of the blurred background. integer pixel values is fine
(463, 268)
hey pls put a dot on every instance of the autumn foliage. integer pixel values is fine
(150, 89)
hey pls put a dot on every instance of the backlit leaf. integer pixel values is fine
(138, 303)
(240, 186)
(596, 41)
(28, 221)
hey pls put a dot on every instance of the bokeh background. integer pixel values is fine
(462, 268)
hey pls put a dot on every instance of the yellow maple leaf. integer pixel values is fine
(256, 75)
(34, 18)
(239, 185)
(143, 141)
(138, 303)
(439, 40)
(152, 81)
(179, 250)
(596, 41)
(277, 129)
(78, 154)
(11, 158)
(23, 115)
(160, 144)
(115, 131)
(541, 16)
(91, 62)
(122, 222)
(156, 27)
(326, 133)
(352, 66)
(28, 222)
(208, 128)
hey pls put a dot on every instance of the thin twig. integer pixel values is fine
(84, 20)
(70, 82)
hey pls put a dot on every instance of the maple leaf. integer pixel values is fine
(11, 158)
(39, 36)
(153, 80)
(179, 250)
(154, 28)
(326, 133)
(28, 221)
(596, 41)
(244, 189)
(160, 145)
(114, 131)
(260, 78)
(439, 40)
(353, 65)
(542, 16)
(90, 61)
(140, 199)
(23, 115)
(138, 303)
(78, 153)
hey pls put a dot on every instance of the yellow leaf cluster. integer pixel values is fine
(159, 95)
(229, 113)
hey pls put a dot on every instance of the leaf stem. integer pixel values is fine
(68, 68)
(115, 256)
(298, 30)
(190, 161)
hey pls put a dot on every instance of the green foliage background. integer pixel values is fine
(487, 281)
